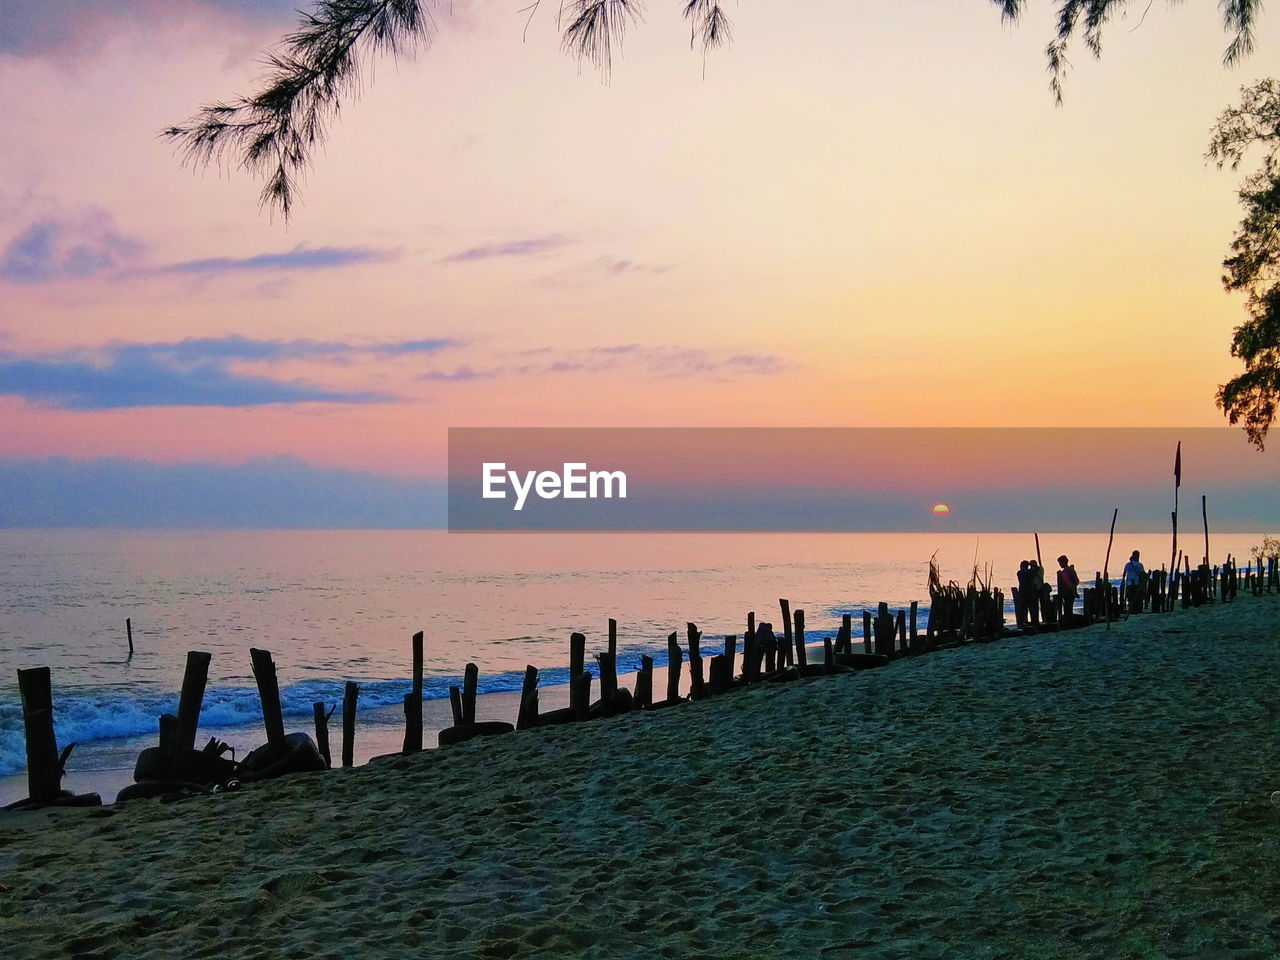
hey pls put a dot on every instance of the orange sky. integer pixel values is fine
(878, 219)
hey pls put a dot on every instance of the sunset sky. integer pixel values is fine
(863, 215)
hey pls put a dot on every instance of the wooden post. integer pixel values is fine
(644, 683)
(193, 683)
(674, 659)
(528, 714)
(751, 623)
(580, 696)
(455, 702)
(717, 683)
(577, 655)
(769, 648)
(1106, 571)
(613, 639)
(697, 683)
(752, 653)
(866, 631)
(168, 734)
(1204, 512)
(902, 632)
(828, 653)
(264, 672)
(128, 629)
(915, 605)
(608, 678)
(1177, 482)
(470, 680)
(730, 653)
(413, 702)
(885, 629)
(322, 731)
(802, 658)
(788, 649)
(44, 773)
(846, 634)
(350, 696)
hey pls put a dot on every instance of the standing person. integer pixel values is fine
(1067, 583)
(1024, 585)
(1134, 574)
(1036, 586)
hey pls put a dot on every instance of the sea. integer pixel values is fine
(333, 606)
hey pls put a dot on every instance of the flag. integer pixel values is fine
(1177, 466)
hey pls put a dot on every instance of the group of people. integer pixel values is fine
(1031, 582)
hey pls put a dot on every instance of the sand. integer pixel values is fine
(1086, 794)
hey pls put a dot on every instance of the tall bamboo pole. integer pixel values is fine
(1106, 573)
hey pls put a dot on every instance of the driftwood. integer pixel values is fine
(296, 754)
(469, 731)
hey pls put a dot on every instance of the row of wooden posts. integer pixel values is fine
(957, 615)
(762, 656)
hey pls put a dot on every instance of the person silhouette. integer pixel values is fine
(1134, 574)
(1068, 581)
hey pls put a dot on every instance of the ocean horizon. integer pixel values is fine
(334, 606)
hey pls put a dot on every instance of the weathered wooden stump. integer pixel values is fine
(413, 700)
(350, 697)
(528, 714)
(644, 683)
(674, 661)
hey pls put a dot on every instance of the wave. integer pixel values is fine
(84, 715)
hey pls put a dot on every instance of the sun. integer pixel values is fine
(940, 510)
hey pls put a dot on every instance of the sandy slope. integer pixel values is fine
(1075, 795)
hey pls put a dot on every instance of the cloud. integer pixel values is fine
(237, 347)
(299, 258)
(606, 268)
(637, 360)
(40, 28)
(401, 347)
(123, 383)
(276, 492)
(190, 373)
(463, 372)
(67, 248)
(534, 247)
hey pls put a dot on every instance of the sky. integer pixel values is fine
(860, 215)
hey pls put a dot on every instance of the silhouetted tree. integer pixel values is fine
(1254, 264)
(274, 132)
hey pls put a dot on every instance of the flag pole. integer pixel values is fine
(1177, 482)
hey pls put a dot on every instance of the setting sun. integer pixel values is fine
(941, 510)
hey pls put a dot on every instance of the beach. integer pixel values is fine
(1094, 793)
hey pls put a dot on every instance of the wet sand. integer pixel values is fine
(1085, 794)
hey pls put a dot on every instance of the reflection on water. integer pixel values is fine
(341, 605)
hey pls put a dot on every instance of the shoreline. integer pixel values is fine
(1084, 794)
(380, 730)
